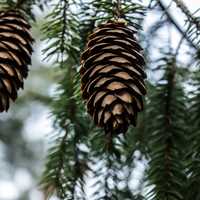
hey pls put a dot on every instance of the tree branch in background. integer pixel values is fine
(173, 21)
(186, 11)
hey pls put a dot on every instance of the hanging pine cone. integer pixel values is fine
(15, 55)
(112, 77)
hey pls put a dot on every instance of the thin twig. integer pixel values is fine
(64, 28)
(179, 46)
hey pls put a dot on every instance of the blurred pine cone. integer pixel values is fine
(15, 55)
(112, 77)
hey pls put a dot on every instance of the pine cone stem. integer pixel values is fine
(19, 3)
(109, 142)
(119, 12)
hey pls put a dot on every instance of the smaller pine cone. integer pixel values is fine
(15, 54)
(112, 77)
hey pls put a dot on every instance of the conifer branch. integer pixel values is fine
(63, 29)
(193, 155)
(60, 30)
(166, 164)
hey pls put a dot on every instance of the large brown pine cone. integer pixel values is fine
(112, 77)
(15, 55)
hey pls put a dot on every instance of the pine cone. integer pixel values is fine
(112, 77)
(15, 55)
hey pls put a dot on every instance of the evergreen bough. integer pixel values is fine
(166, 137)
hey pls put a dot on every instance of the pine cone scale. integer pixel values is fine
(115, 31)
(110, 48)
(93, 72)
(13, 17)
(111, 39)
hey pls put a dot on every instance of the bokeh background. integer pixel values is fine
(26, 129)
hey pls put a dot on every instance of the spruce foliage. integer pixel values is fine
(166, 141)
(167, 135)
